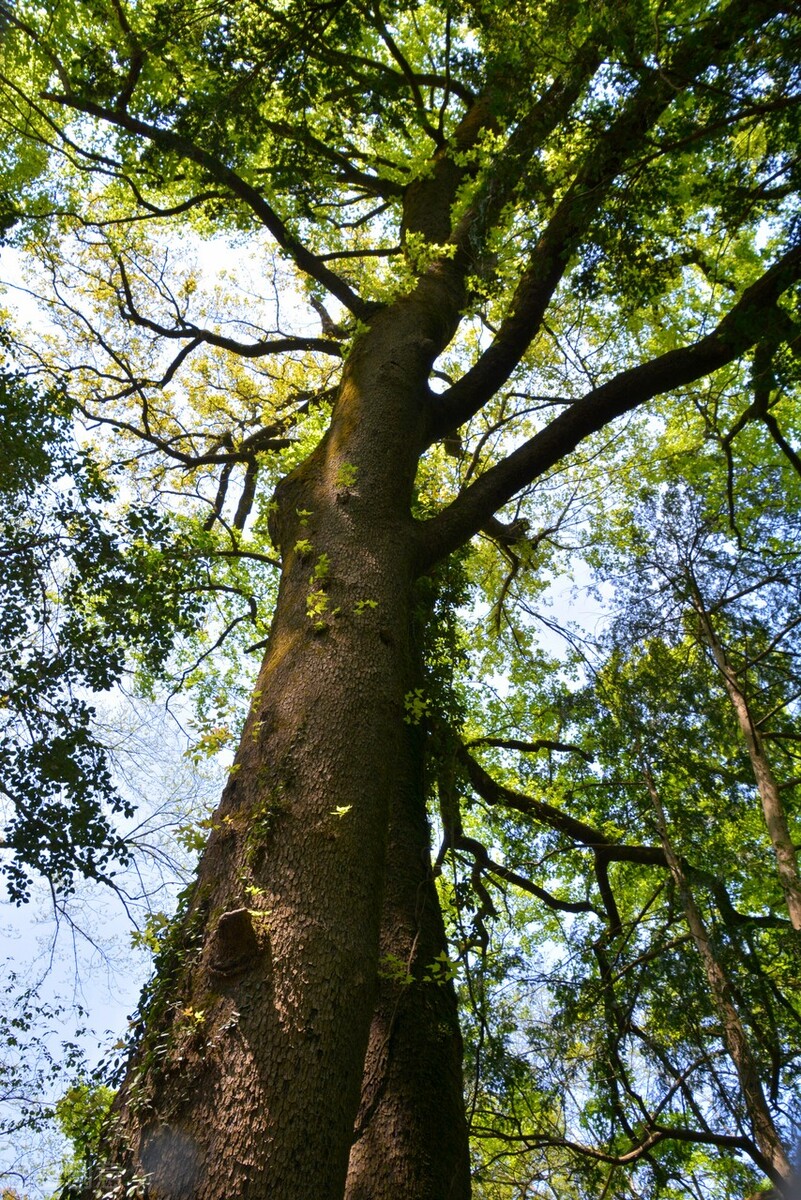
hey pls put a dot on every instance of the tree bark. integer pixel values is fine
(411, 1131)
(247, 1080)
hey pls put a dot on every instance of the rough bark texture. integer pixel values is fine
(411, 1134)
(247, 1081)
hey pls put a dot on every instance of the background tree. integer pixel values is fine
(86, 582)
(511, 233)
(35, 1057)
(653, 745)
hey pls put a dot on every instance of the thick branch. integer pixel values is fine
(186, 330)
(429, 200)
(479, 853)
(531, 747)
(653, 1137)
(704, 46)
(244, 453)
(495, 793)
(375, 184)
(740, 329)
(606, 849)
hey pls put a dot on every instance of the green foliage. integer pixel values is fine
(590, 1018)
(441, 970)
(41, 1052)
(32, 1062)
(178, 942)
(598, 186)
(346, 475)
(89, 588)
(81, 1114)
(395, 970)
(150, 936)
(416, 705)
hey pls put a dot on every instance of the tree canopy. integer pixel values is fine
(367, 329)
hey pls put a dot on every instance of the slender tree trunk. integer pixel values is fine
(248, 1077)
(772, 808)
(776, 1161)
(411, 1131)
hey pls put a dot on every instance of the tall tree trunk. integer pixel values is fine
(775, 1159)
(411, 1131)
(248, 1077)
(772, 807)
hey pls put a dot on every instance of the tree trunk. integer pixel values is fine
(248, 1075)
(775, 1162)
(411, 1131)
(772, 807)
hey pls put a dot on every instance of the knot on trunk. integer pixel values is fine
(235, 942)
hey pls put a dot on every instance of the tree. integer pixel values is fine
(666, 1023)
(739, 595)
(32, 1063)
(509, 227)
(84, 581)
